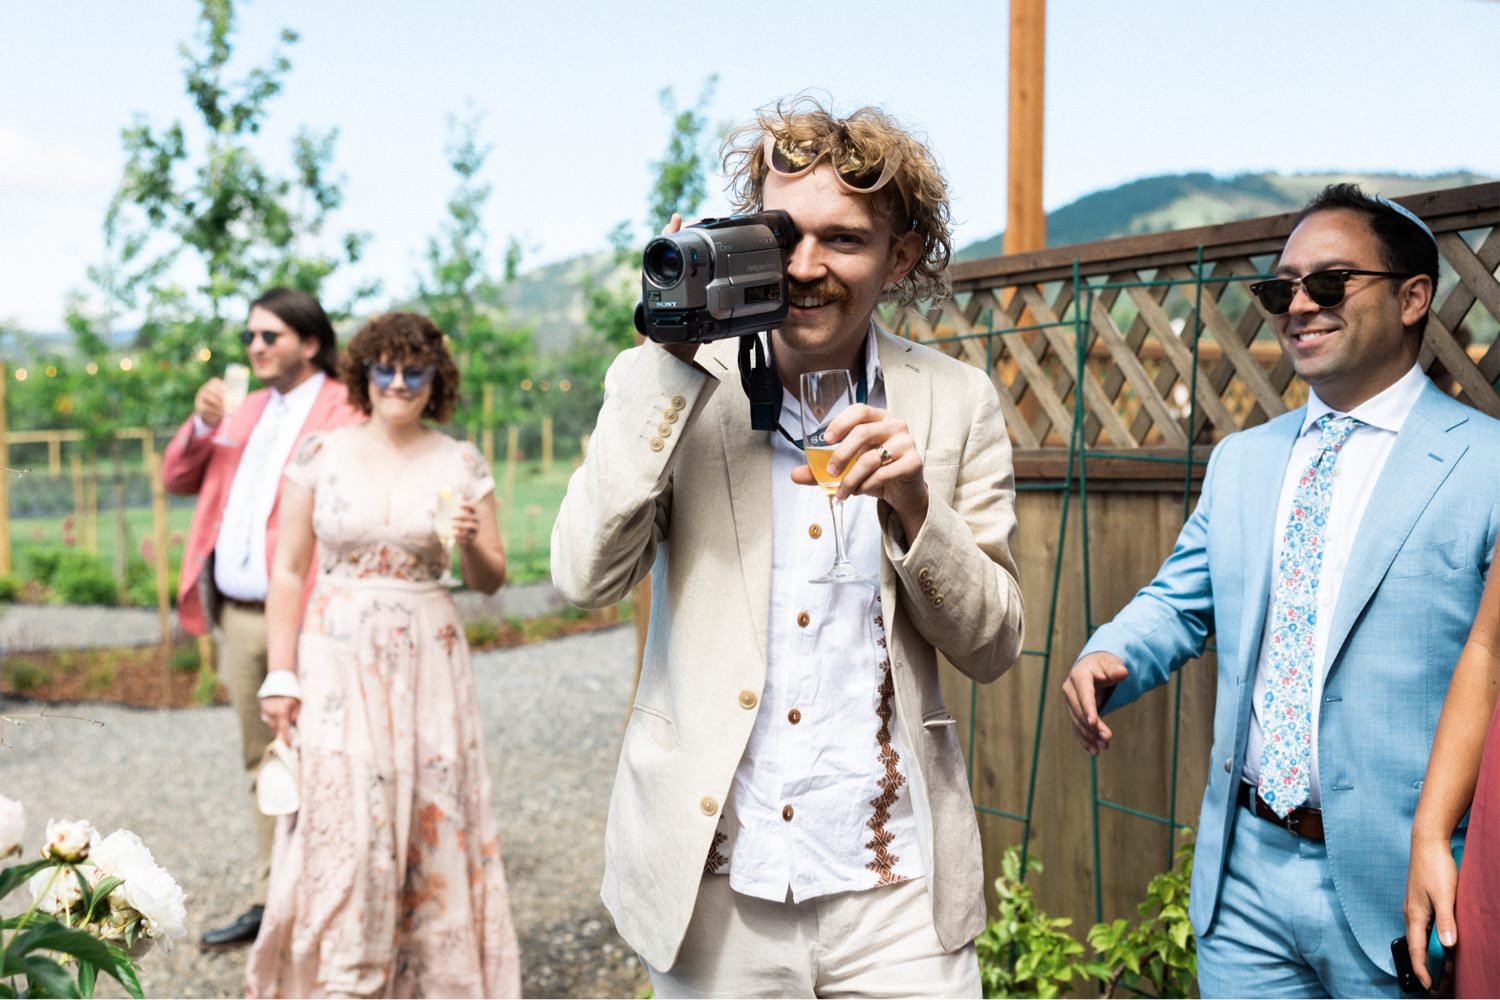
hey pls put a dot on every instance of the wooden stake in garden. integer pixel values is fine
(5, 475)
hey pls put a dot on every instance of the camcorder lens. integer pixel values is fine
(663, 263)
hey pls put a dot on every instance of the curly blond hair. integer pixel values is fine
(914, 200)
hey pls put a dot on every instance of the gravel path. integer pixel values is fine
(553, 712)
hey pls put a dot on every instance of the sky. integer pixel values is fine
(569, 94)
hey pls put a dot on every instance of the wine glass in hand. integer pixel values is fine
(825, 395)
(236, 388)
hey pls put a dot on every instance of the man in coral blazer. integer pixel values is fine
(791, 814)
(232, 462)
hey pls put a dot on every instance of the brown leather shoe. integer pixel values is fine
(239, 931)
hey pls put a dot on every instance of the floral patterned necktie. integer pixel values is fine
(1286, 756)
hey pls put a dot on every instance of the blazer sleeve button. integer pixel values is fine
(709, 805)
(655, 443)
(678, 402)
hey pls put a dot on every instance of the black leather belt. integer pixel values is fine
(1302, 821)
(259, 607)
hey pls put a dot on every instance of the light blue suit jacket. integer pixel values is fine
(1409, 595)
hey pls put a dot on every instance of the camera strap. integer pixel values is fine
(763, 386)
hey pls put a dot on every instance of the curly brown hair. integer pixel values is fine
(914, 200)
(401, 338)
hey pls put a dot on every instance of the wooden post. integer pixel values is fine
(4, 476)
(161, 538)
(54, 453)
(75, 466)
(90, 524)
(487, 435)
(546, 443)
(508, 495)
(1025, 222)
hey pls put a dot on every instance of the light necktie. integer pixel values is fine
(1286, 756)
(258, 450)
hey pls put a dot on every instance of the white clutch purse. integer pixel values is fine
(276, 791)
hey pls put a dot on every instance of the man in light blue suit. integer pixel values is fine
(1338, 553)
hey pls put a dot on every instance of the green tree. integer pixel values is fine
(200, 225)
(465, 299)
(681, 185)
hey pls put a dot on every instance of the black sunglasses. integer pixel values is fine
(1325, 288)
(383, 375)
(268, 337)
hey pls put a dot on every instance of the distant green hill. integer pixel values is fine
(1182, 201)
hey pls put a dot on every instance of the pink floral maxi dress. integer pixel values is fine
(389, 880)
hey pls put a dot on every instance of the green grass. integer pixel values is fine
(532, 509)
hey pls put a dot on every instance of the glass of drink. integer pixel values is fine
(824, 396)
(236, 388)
(442, 523)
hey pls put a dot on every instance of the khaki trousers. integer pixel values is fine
(242, 668)
(875, 943)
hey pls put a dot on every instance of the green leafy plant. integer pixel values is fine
(1024, 952)
(1156, 957)
(9, 587)
(25, 675)
(81, 578)
(207, 690)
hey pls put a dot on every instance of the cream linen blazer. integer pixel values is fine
(678, 485)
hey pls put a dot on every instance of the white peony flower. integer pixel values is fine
(55, 890)
(12, 826)
(69, 839)
(147, 887)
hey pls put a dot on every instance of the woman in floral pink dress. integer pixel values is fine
(388, 881)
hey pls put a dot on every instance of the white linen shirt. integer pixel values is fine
(1359, 465)
(821, 801)
(240, 557)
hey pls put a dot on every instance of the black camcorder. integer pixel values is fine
(715, 279)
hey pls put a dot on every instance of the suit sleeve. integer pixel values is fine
(185, 459)
(1169, 621)
(958, 580)
(617, 508)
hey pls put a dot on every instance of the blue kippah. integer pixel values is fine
(1408, 214)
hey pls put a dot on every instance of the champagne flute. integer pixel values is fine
(236, 388)
(824, 396)
(442, 525)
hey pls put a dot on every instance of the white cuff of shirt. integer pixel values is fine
(280, 684)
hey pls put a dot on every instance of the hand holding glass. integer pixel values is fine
(824, 396)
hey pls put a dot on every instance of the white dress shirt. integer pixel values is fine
(240, 557)
(821, 802)
(1359, 465)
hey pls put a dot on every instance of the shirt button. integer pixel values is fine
(803, 618)
(786, 813)
(748, 699)
(1228, 764)
(815, 530)
(670, 416)
(664, 429)
(678, 402)
(655, 444)
(709, 805)
(794, 716)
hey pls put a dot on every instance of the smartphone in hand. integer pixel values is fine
(1406, 976)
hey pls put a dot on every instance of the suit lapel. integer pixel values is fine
(1262, 470)
(747, 464)
(908, 395)
(1420, 460)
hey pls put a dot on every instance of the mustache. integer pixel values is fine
(828, 288)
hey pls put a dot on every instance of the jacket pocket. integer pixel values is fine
(653, 724)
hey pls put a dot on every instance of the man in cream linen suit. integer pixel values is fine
(791, 815)
(1338, 552)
